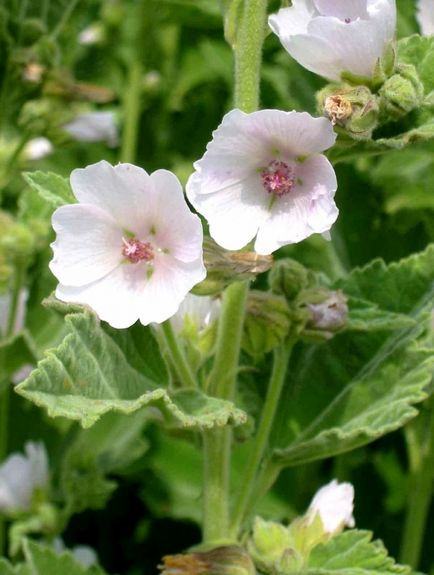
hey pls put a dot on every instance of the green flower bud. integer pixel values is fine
(268, 544)
(229, 560)
(267, 322)
(224, 267)
(354, 110)
(385, 66)
(402, 92)
(31, 30)
(288, 277)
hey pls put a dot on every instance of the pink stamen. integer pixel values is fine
(278, 178)
(136, 251)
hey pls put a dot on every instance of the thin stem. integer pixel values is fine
(277, 380)
(177, 357)
(64, 19)
(132, 110)
(5, 394)
(420, 495)
(217, 442)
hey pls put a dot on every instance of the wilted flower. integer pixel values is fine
(263, 175)
(425, 16)
(329, 37)
(334, 504)
(94, 127)
(37, 148)
(131, 248)
(20, 476)
(196, 311)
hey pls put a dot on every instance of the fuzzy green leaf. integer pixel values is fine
(97, 369)
(419, 51)
(45, 561)
(52, 188)
(7, 569)
(359, 386)
(353, 553)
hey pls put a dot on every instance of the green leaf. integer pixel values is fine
(97, 369)
(7, 569)
(359, 386)
(419, 51)
(52, 188)
(364, 316)
(45, 561)
(353, 553)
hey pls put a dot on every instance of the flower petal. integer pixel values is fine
(342, 9)
(294, 20)
(176, 228)
(425, 16)
(88, 244)
(120, 191)
(235, 213)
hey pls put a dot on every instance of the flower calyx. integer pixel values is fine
(226, 560)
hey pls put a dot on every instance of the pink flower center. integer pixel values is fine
(278, 178)
(136, 251)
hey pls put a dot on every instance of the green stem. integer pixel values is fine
(248, 54)
(281, 359)
(132, 111)
(5, 394)
(217, 442)
(70, 7)
(177, 357)
(420, 495)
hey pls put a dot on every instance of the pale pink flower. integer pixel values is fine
(21, 475)
(329, 37)
(425, 16)
(94, 127)
(198, 311)
(130, 249)
(263, 175)
(334, 503)
(37, 148)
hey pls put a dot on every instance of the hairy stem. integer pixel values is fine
(177, 357)
(420, 493)
(217, 449)
(275, 386)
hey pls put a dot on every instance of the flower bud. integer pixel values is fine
(402, 92)
(267, 322)
(333, 503)
(355, 110)
(230, 560)
(288, 277)
(225, 267)
(326, 312)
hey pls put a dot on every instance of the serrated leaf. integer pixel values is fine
(364, 316)
(51, 187)
(419, 51)
(353, 553)
(349, 391)
(97, 369)
(45, 561)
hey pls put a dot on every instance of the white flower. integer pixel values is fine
(199, 311)
(94, 127)
(334, 503)
(37, 148)
(20, 475)
(425, 16)
(91, 35)
(263, 175)
(329, 37)
(131, 249)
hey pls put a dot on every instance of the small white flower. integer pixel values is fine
(263, 175)
(91, 35)
(20, 475)
(334, 503)
(131, 249)
(199, 311)
(425, 16)
(94, 127)
(329, 37)
(37, 148)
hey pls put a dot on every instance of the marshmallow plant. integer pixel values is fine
(330, 37)
(425, 16)
(315, 361)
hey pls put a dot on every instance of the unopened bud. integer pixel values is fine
(288, 277)
(230, 560)
(402, 92)
(328, 311)
(224, 267)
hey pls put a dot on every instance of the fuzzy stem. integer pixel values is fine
(277, 380)
(217, 443)
(177, 357)
(420, 495)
